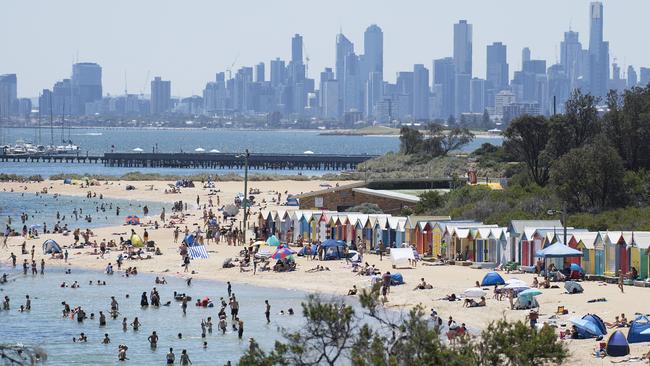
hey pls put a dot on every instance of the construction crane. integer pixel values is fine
(229, 69)
(144, 86)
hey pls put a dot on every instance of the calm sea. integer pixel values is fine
(96, 141)
(42, 209)
(44, 326)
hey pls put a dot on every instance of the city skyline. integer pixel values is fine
(188, 64)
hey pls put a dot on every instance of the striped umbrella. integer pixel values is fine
(282, 253)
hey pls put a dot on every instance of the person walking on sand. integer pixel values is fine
(621, 281)
(382, 247)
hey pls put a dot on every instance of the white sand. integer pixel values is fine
(445, 279)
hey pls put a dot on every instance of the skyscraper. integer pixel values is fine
(373, 48)
(598, 52)
(8, 95)
(571, 57)
(525, 56)
(404, 90)
(296, 49)
(278, 71)
(160, 96)
(344, 48)
(463, 47)
(497, 73)
(477, 95)
(86, 85)
(644, 76)
(420, 92)
(259, 72)
(632, 78)
(444, 75)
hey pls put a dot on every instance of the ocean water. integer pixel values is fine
(44, 325)
(43, 208)
(96, 141)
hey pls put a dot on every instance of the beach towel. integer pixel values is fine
(197, 252)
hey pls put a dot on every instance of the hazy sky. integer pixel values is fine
(189, 41)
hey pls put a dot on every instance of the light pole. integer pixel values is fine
(246, 155)
(563, 213)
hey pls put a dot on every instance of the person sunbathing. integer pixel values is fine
(352, 291)
(615, 324)
(624, 322)
(423, 285)
(451, 297)
(535, 283)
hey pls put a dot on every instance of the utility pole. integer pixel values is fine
(245, 203)
(564, 221)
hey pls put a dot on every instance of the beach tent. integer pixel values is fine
(401, 256)
(639, 330)
(67, 181)
(273, 241)
(573, 287)
(617, 345)
(303, 250)
(50, 247)
(589, 327)
(492, 278)
(598, 321)
(334, 249)
(396, 279)
(558, 250)
(292, 201)
(136, 241)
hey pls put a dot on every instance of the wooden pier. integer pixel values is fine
(205, 160)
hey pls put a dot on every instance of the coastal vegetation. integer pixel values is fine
(596, 164)
(335, 331)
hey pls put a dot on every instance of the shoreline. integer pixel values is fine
(445, 279)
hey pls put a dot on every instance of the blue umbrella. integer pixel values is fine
(576, 267)
(273, 241)
(531, 292)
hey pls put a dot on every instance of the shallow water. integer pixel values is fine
(44, 325)
(43, 208)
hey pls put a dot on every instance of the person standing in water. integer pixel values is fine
(153, 340)
(170, 357)
(268, 312)
(185, 358)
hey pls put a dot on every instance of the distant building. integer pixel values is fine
(420, 92)
(598, 52)
(497, 70)
(86, 86)
(8, 95)
(259, 72)
(463, 47)
(444, 75)
(477, 95)
(632, 79)
(160, 96)
(644, 76)
(571, 57)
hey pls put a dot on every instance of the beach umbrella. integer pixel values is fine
(516, 285)
(273, 241)
(214, 151)
(137, 149)
(231, 210)
(282, 253)
(576, 267)
(199, 149)
(132, 220)
(474, 292)
(531, 292)
(308, 152)
(513, 280)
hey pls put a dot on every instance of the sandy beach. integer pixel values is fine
(445, 279)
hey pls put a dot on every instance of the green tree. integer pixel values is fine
(429, 202)
(590, 177)
(517, 344)
(441, 142)
(526, 138)
(582, 117)
(410, 140)
(486, 122)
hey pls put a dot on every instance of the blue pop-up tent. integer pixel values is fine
(334, 249)
(189, 240)
(617, 345)
(492, 278)
(50, 246)
(639, 330)
(589, 326)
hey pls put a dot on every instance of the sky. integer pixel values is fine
(188, 41)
